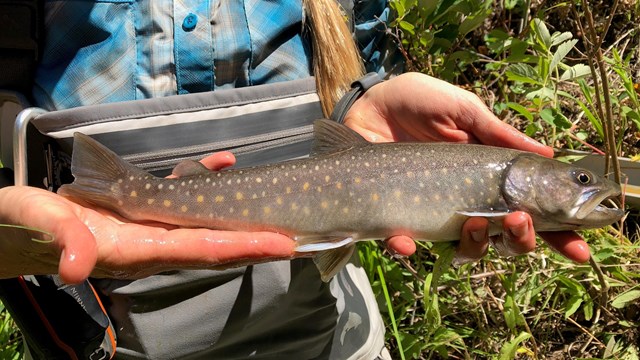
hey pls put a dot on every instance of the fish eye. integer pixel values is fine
(583, 178)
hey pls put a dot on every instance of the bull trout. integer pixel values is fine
(351, 190)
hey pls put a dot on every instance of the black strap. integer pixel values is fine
(20, 40)
(358, 88)
(6, 177)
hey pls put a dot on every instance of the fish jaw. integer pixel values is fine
(594, 212)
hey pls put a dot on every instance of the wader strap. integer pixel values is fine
(358, 88)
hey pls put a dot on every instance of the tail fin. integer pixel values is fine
(97, 172)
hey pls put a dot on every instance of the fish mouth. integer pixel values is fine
(599, 208)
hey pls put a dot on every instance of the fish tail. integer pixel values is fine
(97, 172)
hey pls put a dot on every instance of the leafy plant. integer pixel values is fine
(10, 339)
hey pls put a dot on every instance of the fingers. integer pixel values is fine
(518, 237)
(474, 241)
(190, 248)
(219, 160)
(569, 244)
(490, 130)
(79, 253)
(401, 245)
(51, 217)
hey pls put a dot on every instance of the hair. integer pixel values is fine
(336, 59)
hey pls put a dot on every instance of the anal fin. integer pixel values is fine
(330, 262)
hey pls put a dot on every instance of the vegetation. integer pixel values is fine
(10, 338)
(563, 73)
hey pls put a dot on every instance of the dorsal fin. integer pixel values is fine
(329, 137)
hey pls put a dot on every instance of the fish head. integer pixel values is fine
(560, 196)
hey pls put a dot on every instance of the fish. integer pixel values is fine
(351, 190)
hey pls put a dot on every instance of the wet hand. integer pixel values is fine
(81, 241)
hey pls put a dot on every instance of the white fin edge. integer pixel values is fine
(487, 214)
(323, 246)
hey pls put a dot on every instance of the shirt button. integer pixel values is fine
(190, 22)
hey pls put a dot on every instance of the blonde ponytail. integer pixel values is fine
(336, 60)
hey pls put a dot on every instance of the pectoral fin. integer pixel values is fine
(321, 243)
(330, 262)
(487, 213)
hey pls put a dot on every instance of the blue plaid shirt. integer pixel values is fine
(115, 50)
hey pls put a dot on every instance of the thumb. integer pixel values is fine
(78, 250)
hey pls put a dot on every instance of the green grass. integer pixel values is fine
(532, 306)
(10, 338)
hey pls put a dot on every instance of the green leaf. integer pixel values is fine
(427, 7)
(532, 129)
(521, 110)
(542, 33)
(497, 40)
(399, 6)
(603, 254)
(561, 52)
(446, 251)
(586, 91)
(407, 26)
(595, 122)
(632, 115)
(540, 96)
(575, 72)
(625, 298)
(432, 318)
(523, 73)
(473, 21)
(520, 53)
(587, 309)
(558, 38)
(509, 350)
(511, 313)
(573, 304)
(510, 4)
(573, 286)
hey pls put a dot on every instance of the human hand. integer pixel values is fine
(416, 107)
(86, 241)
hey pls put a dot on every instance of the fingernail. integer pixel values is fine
(519, 231)
(478, 236)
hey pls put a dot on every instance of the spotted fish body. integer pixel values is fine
(350, 190)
